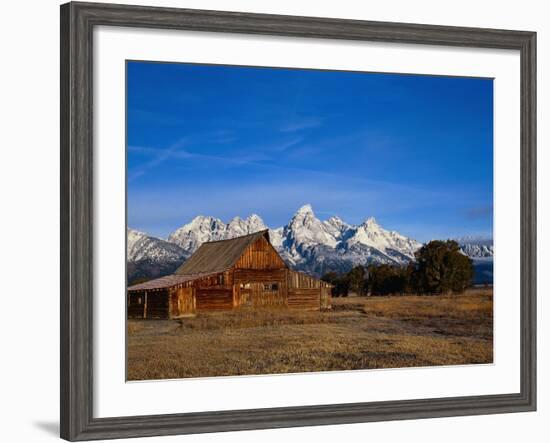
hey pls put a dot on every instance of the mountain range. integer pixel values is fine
(306, 243)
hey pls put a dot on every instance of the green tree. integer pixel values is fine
(387, 279)
(330, 277)
(340, 283)
(441, 267)
(342, 286)
(357, 277)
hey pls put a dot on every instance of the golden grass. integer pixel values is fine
(359, 333)
(249, 318)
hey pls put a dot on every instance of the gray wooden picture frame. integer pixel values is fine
(77, 23)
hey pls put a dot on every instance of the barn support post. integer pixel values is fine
(145, 305)
(170, 296)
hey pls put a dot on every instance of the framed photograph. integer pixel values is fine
(273, 221)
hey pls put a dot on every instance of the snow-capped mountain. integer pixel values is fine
(203, 229)
(149, 257)
(306, 243)
(476, 247)
(316, 247)
(480, 250)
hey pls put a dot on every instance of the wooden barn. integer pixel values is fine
(244, 272)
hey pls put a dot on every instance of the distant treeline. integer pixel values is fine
(439, 267)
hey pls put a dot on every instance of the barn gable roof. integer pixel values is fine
(218, 256)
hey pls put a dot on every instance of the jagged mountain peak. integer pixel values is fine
(255, 222)
(305, 229)
(306, 239)
(304, 216)
(200, 219)
(149, 257)
(477, 247)
(238, 226)
(305, 209)
(206, 228)
(336, 224)
(307, 243)
(475, 240)
(371, 222)
(335, 220)
(202, 223)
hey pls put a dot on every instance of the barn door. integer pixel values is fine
(246, 294)
(185, 301)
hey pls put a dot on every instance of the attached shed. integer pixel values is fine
(244, 272)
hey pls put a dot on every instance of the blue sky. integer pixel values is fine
(416, 152)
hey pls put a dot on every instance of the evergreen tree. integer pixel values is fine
(340, 283)
(357, 277)
(330, 277)
(441, 267)
(387, 279)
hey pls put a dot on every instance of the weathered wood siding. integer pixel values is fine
(326, 297)
(259, 287)
(306, 298)
(297, 279)
(252, 275)
(214, 299)
(268, 294)
(307, 292)
(260, 255)
(210, 281)
(182, 302)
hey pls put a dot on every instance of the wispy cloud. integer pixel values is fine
(300, 125)
(161, 155)
(239, 157)
(240, 140)
(261, 160)
(283, 145)
(158, 157)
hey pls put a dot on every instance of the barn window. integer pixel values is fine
(245, 285)
(271, 286)
(139, 300)
(220, 279)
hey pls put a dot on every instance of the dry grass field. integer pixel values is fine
(358, 333)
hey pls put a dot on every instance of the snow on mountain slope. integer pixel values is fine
(306, 229)
(480, 250)
(276, 237)
(336, 226)
(370, 233)
(305, 242)
(476, 247)
(203, 229)
(140, 246)
(149, 257)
